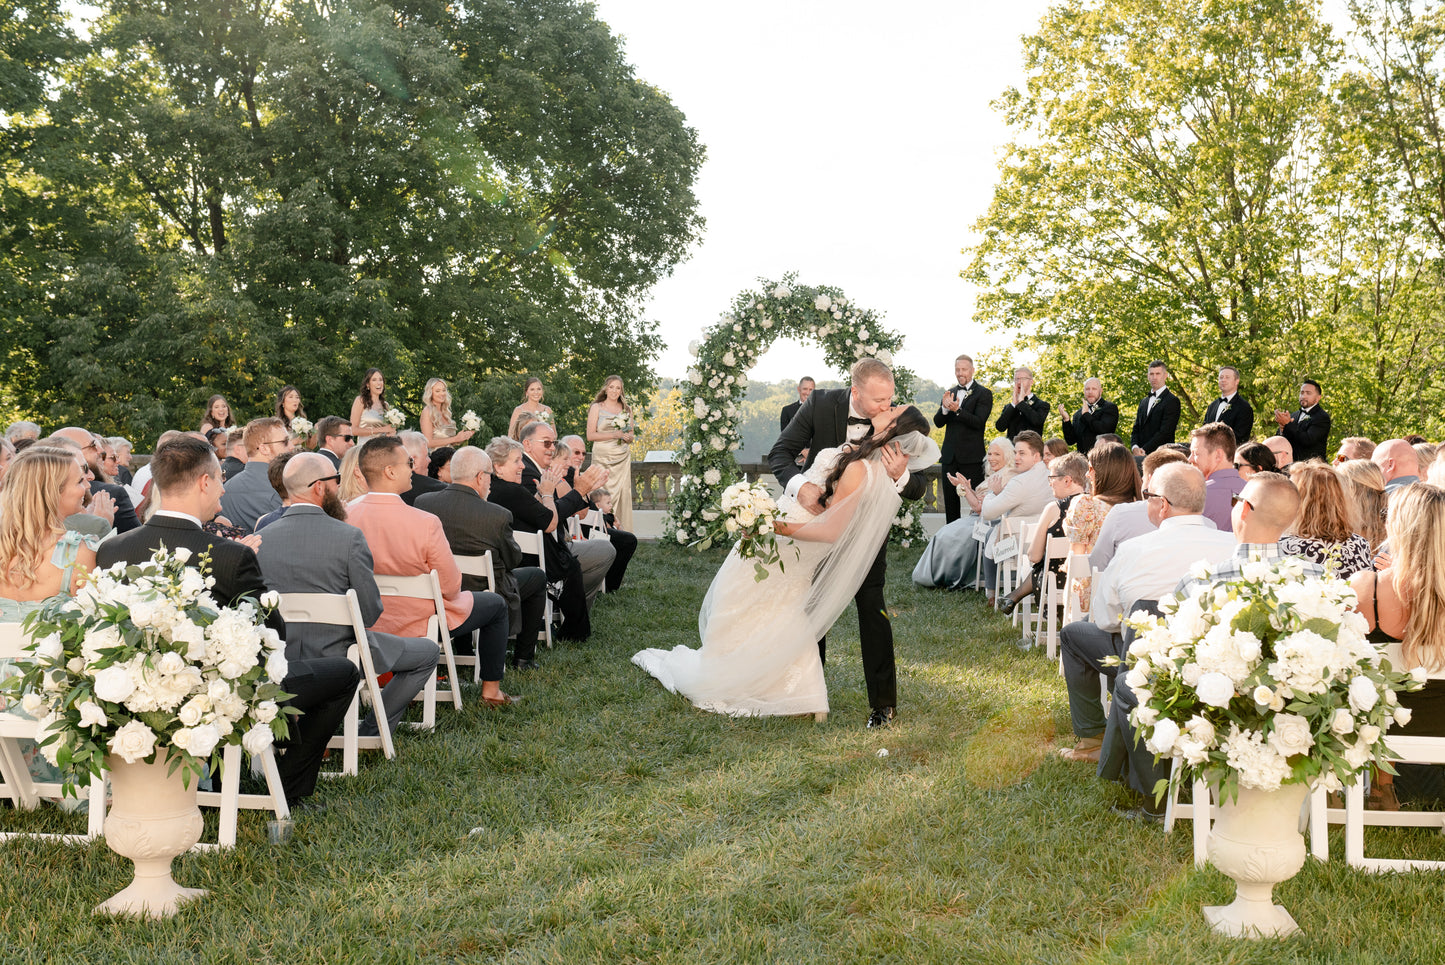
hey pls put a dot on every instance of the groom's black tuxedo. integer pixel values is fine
(822, 423)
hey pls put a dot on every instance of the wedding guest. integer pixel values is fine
(1053, 449)
(1211, 451)
(22, 430)
(532, 392)
(123, 455)
(1113, 480)
(1436, 475)
(249, 494)
(90, 450)
(523, 421)
(219, 440)
(368, 409)
(610, 428)
(963, 416)
(474, 526)
(1354, 447)
(416, 450)
(624, 543)
(1253, 457)
(805, 389)
(1157, 418)
(1424, 458)
(1283, 453)
(595, 558)
(7, 455)
(1399, 464)
(1096, 416)
(1025, 412)
(951, 557)
(311, 550)
(218, 414)
(1365, 491)
(406, 541)
(437, 425)
(439, 465)
(536, 512)
(1068, 475)
(352, 484)
(276, 474)
(333, 438)
(1308, 427)
(1231, 408)
(1025, 495)
(1324, 530)
(1125, 521)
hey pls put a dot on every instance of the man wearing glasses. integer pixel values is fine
(595, 557)
(249, 493)
(335, 438)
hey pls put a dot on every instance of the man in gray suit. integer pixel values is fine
(249, 493)
(310, 549)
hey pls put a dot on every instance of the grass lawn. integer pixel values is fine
(605, 820)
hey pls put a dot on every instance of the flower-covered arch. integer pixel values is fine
(717, 383)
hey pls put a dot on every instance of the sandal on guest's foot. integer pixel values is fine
(1086, 751)
(499, 701)
(1382, 798)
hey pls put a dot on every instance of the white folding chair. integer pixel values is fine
(532, 543)
(1004, 572)
(230, 799)
(1199, 810)
(1054, 598)
(427, 586)
(480, 567)
(23, 791)
(1076, 569)
(336, 609)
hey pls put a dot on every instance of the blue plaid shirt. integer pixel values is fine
(1233, 568)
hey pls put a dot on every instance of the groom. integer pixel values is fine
(828, 419)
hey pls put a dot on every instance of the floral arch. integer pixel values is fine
(717, 383)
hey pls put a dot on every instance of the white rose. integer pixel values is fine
(49, 648)
(114, 684)
(1291, 735)
(1200, 729)
(1136, 677)
(92, 714)
(694, 347)
(823, 303)
(171, 663)
(203, 740)
(194, 709)
(1343, 722)
(1369, 733)
(731, 525)
(862, 334)
(1263, 695)
(276, 665)
(1419, 675)
(1402, 716)
(270, 599)
(182, 554)
(257, 739)
(1145, 716)
(1363, 694)
(712, 477)
(1215, 689)
(729, 359)
(133, 742)
(1161, 741)
(32, 703)
(782, 291)
(696, 448)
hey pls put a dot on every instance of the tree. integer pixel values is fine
(229, 197)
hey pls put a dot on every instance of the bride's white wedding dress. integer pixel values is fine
(759, 653)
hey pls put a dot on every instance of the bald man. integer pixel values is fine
(1283, 451)
(1398, 462)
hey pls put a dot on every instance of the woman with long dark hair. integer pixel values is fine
(368, 409)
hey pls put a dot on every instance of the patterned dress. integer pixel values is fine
(1081, 525)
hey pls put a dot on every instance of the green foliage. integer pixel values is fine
(224, 199)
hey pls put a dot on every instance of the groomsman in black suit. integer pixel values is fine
(805, 388)
(830, 418)
(1308, 429)
(1158, 414)
(1025, 411)
(1231, 408)
(1095, 417)
(963, 417)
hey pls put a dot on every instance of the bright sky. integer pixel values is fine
(849, 141)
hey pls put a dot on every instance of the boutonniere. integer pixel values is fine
(965, 394)
(1304, 416)
(1223, 409)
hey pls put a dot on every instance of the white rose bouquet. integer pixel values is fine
(301, 427)
(471, 421)
(1263, 680)
(395, 417)
(621, 421)
(746, 512)
(141, 661)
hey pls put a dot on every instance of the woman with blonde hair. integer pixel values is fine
(951, 555)
(1365, 490)
(532, 392)
(1324, 530)
(436, 419)
(353, 483)
(610, 430)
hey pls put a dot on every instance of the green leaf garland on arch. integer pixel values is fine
(717, 383)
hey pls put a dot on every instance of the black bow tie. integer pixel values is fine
(857, 420)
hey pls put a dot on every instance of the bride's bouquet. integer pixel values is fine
(746, 513)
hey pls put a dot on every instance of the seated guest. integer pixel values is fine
(1267, 505)
(333, 438)
(1253, 457)
(1354, 447)
(1068, 476)
(310, 549)
(1053, 449)
(623, 542)
(123, 455)
(276, 472)
(1324, 530)
(1141, 572)
(1113, 481)
(1405, 603)
(539, 442)
(1399, 464)
(406, 541)
(474, 526)
(1127, 521)
(188, 477)
(235, 459)
(420, 458)
(353, 483)
(537, 512)
(22, 430)
(1025, 495)
(1365, 491)
(1211, 451)
(1283, 452)
(951, 558)
(249, 494)
(439, 465)
(83, 440)
(1424, 457)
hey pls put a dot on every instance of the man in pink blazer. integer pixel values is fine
(405, 541)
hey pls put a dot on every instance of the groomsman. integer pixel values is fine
(1025, 411)
(963, 417)
(1095, 417)
(805, 389)
(1231, 408)
(1308, 429)
(1158, 414)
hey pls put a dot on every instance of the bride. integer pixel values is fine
(759, 654)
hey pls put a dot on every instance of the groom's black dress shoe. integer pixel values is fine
(881, 717)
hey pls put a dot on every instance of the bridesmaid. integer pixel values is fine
(368, 409)
(218, 414)
(288, 407)
(531, 405)
(610, 430)
(437, 423)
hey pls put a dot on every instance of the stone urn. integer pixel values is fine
(152, 819)
(1256, 841)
